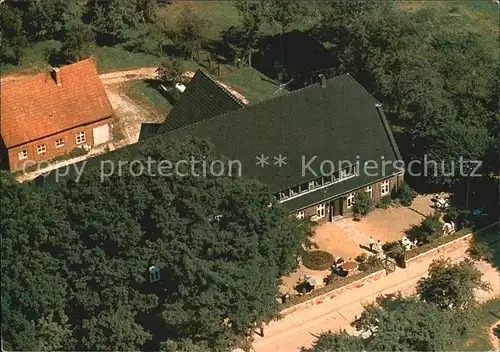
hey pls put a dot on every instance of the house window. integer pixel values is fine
(283, 195)
(23, 154)
(327, 179)
(294, 191)
(59, 142)
(80, 137)
(369, 191)
(300, 215)
(41, 148)
(384, 190)
(350, 200)
(304, 187)
(320, 210)
(335, 176)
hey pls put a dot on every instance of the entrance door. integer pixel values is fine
(337, 207)
(101, 134)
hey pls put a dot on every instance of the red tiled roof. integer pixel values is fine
(35, 107)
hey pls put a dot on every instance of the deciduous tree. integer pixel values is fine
(451, 285)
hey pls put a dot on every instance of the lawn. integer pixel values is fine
(144, 92)
(482, 318)
(480, 16)
(117, 59)
(255, 86)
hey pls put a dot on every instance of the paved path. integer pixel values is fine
(300, 328)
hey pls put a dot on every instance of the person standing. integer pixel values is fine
(371, 243)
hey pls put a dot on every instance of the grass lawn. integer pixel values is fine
(480, 16)
(255, 86)
(483, 317)
(117, 59)
(144, 93)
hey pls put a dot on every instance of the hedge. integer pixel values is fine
(440, 241)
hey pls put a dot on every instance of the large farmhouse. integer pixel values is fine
(314, 147)
(47, 115)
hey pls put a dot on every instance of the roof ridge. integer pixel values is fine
(363, 88)
(248, 107)
(387, 129)
(227, 92)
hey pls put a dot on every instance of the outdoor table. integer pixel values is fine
(350, 266)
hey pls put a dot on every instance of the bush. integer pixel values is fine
(481, 251)
(363, 204)
(385, 202)
(317, 260)
(372, 262)
(405, 194)
(77, 152)
(451, 214)
(427, 231)
(393, 249)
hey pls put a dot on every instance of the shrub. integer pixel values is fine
(405, 194)
(481, 251)
(317, 260)
(373, 262)
(170, 71)
(451, 214)
(363, 204)
(385, 202)
(393, 249)
(427, 231)
(77, 152)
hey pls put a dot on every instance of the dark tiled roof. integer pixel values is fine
(203, 99)
(341, 122)
(336, 123)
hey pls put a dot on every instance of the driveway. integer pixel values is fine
(344, 237)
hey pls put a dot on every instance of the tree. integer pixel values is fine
(363, 203)
(189, 33)
(281, 13)
(70, 278)
(451, 285)
(48, 18)
(78, 42)
(12, 34)
(339, 341)
(170, 70)
(114, 21)
(427, 231)
(243, 40)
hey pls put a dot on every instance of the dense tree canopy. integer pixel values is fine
(451, 285)
(75, 260)
(436, 82)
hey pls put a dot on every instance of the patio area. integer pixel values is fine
(343, 238)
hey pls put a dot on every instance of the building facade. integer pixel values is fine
(50, 115)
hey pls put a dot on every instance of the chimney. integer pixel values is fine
(56, 75)
(323, 81)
